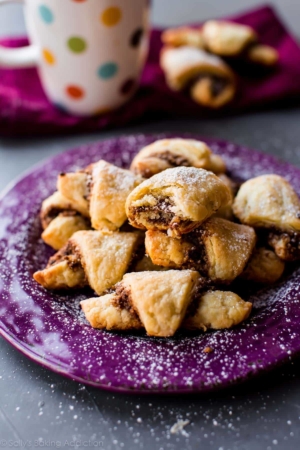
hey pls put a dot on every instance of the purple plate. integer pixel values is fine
(50, 328)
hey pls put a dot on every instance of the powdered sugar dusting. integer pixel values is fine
(185, 175)
(174, 59)
(51, 327)
(190, 179)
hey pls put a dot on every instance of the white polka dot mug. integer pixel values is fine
(89, 53)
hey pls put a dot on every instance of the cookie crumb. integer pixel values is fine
(178, 427)
(208, 350)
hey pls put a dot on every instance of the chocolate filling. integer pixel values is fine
(172, 159)
(285, 244)
(137, 255)
(217, 85)
(69, 213)
(89, 182)
(124, 301)
(196, 257)
(201, 286)
(193, 254)
(68, 253)
(163, 214)
(52, 212)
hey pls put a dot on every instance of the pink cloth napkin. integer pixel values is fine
(25, 110)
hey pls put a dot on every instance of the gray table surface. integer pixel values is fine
(40, 409)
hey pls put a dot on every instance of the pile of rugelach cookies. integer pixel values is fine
(161, 243)
(197, 60)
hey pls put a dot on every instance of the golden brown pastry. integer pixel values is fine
(263, 55)
(219, 249)
(162, 313)
(74, 187)
(60, 220)
(101, 258)
(168, 153)
(173, 253)
(160, 299)
(178, 37)
(101, 191)
(53, 206)
(232, 185)
(228, 247)
(269, 202)
(106, 313)
(226, 211)
(264, 266)
(176, 200)
(235, 40)
(218, 310)
(207, 78)
(285, 245)
(110, 188)
(62, 228)
(217, 165)
(227, 38)
(64, 271)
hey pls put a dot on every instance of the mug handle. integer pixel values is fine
(18, 57)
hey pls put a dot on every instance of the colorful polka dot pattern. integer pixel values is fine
(75, 92)
(136, 37)
(107, 70)
(46, 14)
(48, 56)
(111, 16)
(77, 45)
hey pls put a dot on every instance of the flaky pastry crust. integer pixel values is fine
(285, 245)
(61, 276)
(268, 201)
(109, 191)
(219, 249)
(226, 212)
(264, 267)
(104, 313)
(228, 247)
(53, 206)
(212, 310)
(103, 258)
(64, 271)
(227, 38)
(176, 200)
(74, 187)
(62, 228)
(218, 310)
(167, 153)
(263, 55)
(160, 298)
(100, 191)
(208, 78)
(182, 36)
